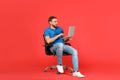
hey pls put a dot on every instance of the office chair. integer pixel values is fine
(49, 53)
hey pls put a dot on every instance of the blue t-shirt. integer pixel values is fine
(53, 32)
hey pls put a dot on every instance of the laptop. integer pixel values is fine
(71, 31)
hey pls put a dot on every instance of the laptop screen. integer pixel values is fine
(71, 31)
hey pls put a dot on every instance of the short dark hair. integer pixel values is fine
(51, 18)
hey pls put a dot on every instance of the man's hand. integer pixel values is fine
(67, 38)
(61, 34)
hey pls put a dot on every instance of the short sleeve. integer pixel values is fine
(46, 33)
(62, 31)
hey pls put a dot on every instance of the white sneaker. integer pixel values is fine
(60, 68)
(78, 74)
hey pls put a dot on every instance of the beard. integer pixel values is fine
(55, 26)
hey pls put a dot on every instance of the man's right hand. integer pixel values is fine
(61, 35)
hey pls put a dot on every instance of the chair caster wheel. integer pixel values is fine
(44, 70)
(58, 72)
(66, 68)
(51, 68)
(71, 71)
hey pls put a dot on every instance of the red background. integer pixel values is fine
(97, 37)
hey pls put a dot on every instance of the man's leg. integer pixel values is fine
(74, 52)
(58, 48)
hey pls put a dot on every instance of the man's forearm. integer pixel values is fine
(52, 39)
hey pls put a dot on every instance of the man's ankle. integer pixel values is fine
(75, 71)
(60, 64)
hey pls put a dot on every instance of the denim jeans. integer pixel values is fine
(60, 47)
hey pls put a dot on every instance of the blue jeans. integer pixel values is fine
(60, 47)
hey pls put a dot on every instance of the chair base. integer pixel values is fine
(55, 66)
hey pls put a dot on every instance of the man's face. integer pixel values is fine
(54, 22)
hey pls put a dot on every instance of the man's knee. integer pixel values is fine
(60, 46)
(60, 49)
(75, 52)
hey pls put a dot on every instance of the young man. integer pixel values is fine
(55, 35)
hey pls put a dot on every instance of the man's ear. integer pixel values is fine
(50, 22)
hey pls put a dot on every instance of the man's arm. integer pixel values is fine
(50, 40)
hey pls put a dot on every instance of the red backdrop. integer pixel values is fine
(97, 35)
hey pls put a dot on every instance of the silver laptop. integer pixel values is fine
(71, 31)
